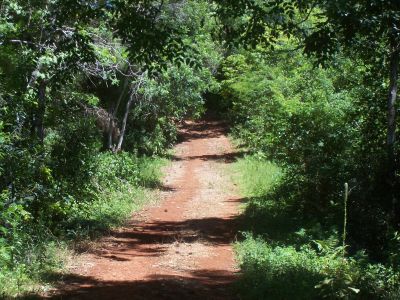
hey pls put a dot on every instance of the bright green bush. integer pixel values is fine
(320, 129)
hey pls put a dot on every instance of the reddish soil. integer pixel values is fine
(180, 248)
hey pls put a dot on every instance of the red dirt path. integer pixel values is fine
(179, 249)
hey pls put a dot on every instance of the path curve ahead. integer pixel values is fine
(181, 248)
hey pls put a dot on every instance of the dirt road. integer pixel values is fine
(181, 248)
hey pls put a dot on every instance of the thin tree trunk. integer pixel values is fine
(124, 121)
(113, 114)
(391, 133)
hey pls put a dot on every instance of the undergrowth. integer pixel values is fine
(32, 253)
(284, 256)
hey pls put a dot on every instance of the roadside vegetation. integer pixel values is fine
(284, 256)
(319, 212)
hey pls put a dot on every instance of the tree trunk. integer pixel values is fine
(113, 115)
(391, 133)
(125, 120)
(41, 111)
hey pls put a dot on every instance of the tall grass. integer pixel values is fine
(256, 176)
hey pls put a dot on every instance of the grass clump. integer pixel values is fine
(120, 185)
(25, 268)
(285, 256)
(267, 174)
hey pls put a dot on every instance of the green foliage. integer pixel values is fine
(284, 273)
(283, 257)
(354, 24)
(252, 22)
(321, 128)
(80, 78)
(166, 100)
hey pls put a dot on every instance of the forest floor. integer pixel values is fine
(180, 248)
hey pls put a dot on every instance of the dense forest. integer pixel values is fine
(92, 92)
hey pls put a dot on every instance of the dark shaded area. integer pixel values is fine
(281, 223)
(208, 127)
(215, 103)
(227, 157)
(212, 230)
(202, 284)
